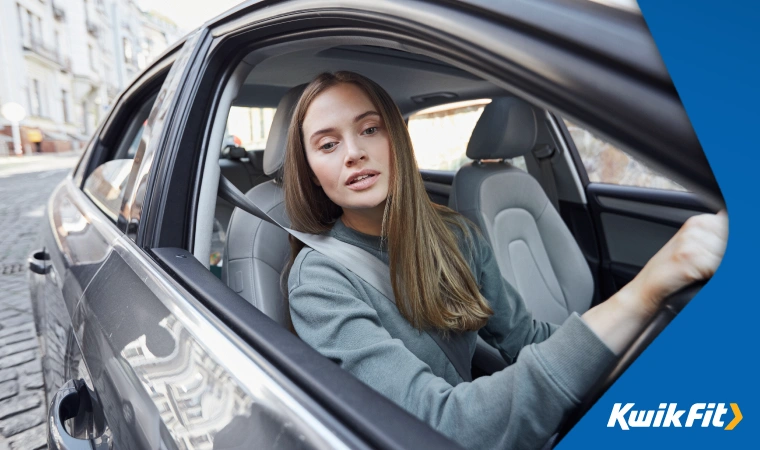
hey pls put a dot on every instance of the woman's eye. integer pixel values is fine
(328, 146)
(370, 130)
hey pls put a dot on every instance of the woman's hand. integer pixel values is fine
(692, 254)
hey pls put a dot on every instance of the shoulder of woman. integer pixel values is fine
(468, 232)
(312, 267)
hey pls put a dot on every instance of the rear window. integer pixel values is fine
(440, 135)
(250, 126)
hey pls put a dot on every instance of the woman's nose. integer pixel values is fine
(354, 153)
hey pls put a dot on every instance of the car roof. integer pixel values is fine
(414, 81)
(614, 34)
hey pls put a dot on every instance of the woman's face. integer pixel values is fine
(348, 148)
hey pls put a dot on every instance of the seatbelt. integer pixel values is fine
(373, 271)
(544, 154)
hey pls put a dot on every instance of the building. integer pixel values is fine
(66, 60)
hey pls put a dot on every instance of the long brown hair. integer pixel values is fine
(433, 285)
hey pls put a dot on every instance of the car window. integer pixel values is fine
(106, 185)
(606, 163)
(440, 135)
(249, 127)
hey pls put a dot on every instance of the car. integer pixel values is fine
(157, 300)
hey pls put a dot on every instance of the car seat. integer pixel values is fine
(535, 250)
(256, 251)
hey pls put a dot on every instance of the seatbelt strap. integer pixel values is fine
(373, 271)
(544, 154)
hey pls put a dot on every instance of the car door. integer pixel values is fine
(634, 209)
(84, 220)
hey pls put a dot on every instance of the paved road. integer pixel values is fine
(23, 193)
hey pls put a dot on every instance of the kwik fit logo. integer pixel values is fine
(668, 415)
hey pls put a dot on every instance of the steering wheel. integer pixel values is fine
(669, 308)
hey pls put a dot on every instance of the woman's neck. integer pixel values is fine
(367, 221)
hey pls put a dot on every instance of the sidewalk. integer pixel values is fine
(40, 162)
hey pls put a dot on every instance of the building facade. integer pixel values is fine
(65, 61)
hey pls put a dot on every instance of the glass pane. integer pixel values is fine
(249, 127)
(606, 163)
(440, 134)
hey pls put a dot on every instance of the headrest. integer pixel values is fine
(277, 142)
(505, 130)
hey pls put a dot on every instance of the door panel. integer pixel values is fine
(167, 377)
(634, 223)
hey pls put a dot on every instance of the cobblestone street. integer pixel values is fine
(23, 193)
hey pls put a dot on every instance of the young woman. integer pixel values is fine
(350, 172)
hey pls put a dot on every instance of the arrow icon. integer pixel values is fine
(737, 417)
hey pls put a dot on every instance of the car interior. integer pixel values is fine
(563, 250)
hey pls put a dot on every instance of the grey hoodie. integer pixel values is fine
(348, 321)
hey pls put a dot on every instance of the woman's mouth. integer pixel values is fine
(363, 182)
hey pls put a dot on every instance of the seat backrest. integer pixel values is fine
(256, 251)
(535, 251)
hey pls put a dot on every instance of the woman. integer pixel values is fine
(350, 172)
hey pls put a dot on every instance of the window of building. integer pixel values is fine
(440, 135)
(20, 12)
(91, 56)
(29, 28)
(65, 105)
(85, 125)
(606, 163)
(35, 99)
(37, 30)
(127, 44)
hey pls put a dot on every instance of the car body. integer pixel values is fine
(169, 356)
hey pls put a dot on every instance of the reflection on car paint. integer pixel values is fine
(191, 399)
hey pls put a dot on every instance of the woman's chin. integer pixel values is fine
(365, 205)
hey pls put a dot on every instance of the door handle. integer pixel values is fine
(39, 262)
(65, 405)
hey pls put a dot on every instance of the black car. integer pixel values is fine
(158, 302)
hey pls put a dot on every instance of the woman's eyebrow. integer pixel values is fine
(365, 114)
(356, 119)
(322, 131)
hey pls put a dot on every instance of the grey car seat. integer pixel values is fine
(535, 251)
(256, 251)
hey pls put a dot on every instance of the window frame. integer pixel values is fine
(107, 140)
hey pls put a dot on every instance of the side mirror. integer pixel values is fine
(106, 185)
